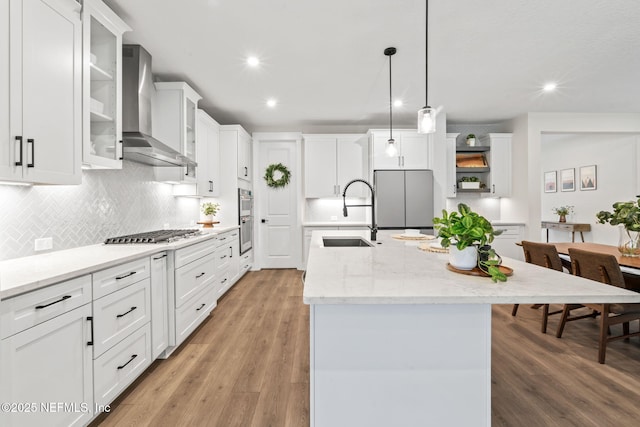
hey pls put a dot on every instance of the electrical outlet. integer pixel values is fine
(334, 218)
(43, 244)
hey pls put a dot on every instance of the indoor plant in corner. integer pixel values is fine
(626, 215)
(465, 232)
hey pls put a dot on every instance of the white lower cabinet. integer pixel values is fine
(193, 312)
(246, 261)
(121, 365)
(46, 366)
(117, 315)
(159, 305)
(505, 244)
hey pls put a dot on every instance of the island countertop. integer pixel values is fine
(397, 272)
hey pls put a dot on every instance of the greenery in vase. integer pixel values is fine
(466, 228)
(471, 136)
(624, 213)
(470, 179)
(210, 208)
(563, 210)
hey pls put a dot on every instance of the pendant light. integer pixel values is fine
(427, 115)
(391, 148)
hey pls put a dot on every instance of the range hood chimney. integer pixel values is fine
(137, 94)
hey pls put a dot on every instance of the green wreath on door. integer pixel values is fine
(285, 175)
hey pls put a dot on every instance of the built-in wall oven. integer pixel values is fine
(245, 220)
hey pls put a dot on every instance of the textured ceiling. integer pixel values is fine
(324, 61)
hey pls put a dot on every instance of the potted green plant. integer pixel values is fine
(209, 209)
(463, 232)
(469, 183)
(562, 212)
(626, 215)
(471, 140)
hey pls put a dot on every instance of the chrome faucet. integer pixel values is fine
(373, 227)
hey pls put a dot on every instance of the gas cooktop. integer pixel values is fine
(157, 236)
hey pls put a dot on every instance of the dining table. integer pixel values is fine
(630, 266)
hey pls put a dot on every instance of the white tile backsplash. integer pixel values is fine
(107, 203)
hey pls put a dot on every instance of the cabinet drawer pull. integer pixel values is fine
(230, 251)
(201, 307)
(90, 319)
(200, 275)
(210, 186)
(33, 153)
(124, 314)
(160, 257)
(120, 156)
(224, 281)
(19, 138)
(133, 356)
(223, 238)
(223, 257)
(126, 275)
(246, 171)
(38, 307)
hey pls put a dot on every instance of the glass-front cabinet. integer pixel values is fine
(102, 86)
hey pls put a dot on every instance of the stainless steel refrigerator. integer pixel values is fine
(404, 198)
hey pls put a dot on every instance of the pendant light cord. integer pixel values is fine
(426, 55)
(390, 104)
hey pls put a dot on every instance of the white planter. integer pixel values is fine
(471, 142)
(465, 259)
(469, 185)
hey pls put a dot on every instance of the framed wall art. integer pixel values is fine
(588, 178)
(568, 179)
(550, 182)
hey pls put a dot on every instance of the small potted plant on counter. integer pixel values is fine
(471, 140)
(464, 232)
(626, 215)
(209, 210)
(562, 212)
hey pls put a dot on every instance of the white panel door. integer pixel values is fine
(51, 89)
(380, 158)
(415, 151)
(279, 226)
(500, 165)
(7, 142)
(320, 167)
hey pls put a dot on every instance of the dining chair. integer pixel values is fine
(602, 268)
(544, 255)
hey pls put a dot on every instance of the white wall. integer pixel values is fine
(527, 137)
(615, 156)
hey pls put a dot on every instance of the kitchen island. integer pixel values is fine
(397, 339)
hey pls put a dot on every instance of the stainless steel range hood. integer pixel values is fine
(137, 93)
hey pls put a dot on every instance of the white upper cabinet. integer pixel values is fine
(451, 188)
(331, 161)
(500, 164)
(41, 102)
(174, 123)
(415, 151)
(208, 158)
(244, 155)
(236, 143)
(102, 85)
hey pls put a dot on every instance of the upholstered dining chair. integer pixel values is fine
(544, 255)
(602, 268)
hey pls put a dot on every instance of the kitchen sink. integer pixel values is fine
(351, 242)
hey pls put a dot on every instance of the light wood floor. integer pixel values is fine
(248, 365)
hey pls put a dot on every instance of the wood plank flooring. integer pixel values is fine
(248, 365)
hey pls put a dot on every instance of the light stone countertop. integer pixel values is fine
(21, 275)
(397, 272)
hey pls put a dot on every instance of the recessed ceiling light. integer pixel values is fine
(550, 87)
(397, 103)
(271, 102)
(253, 61)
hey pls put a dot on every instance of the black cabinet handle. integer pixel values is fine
(230, 251)
(121, 149)
(90, 319)
(201, 307)
(200, 275)
(246, 171)
(124, 314)
(223, 238)
(223, 257)
(211, 186)
(133, 356)
(38, 307)
(160, 257)
(126, 275)
(19, 138)
(33, 152)
(223, 281)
